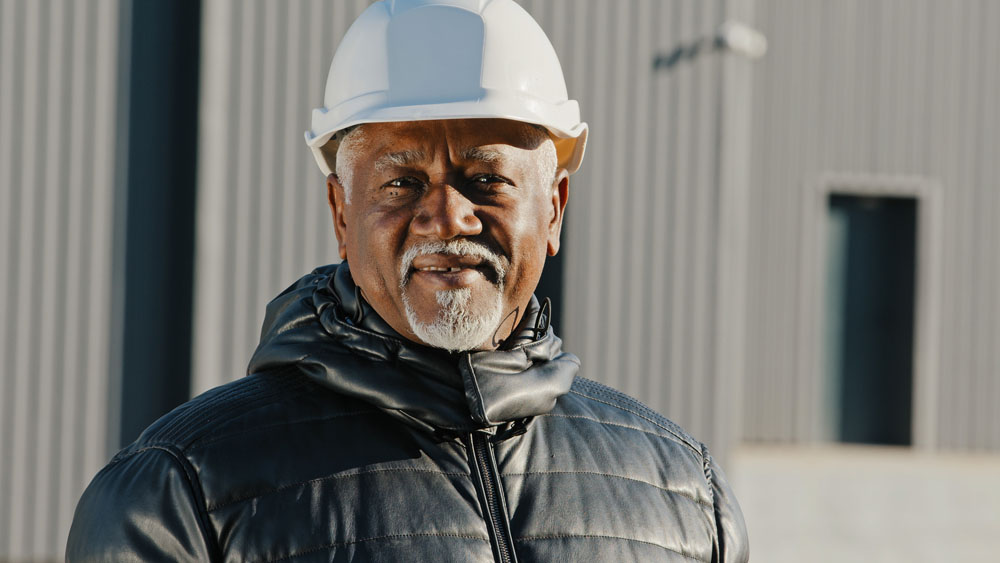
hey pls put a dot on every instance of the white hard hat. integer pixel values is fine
(414, 60)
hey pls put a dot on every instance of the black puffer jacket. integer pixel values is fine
(348, 443)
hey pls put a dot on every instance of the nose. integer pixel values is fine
(445, 213)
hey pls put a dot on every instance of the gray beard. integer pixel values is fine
(456, 328)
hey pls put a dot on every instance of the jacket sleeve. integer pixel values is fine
(733, 546)
(144, 506)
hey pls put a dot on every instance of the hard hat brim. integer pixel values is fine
(570, 136)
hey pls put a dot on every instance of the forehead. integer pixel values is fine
(462, 138)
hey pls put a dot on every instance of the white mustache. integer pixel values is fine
(458, 247)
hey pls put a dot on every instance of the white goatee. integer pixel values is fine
(456, 327)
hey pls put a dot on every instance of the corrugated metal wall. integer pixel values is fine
(58, 80)
(262, 214)
(651, 228)
(898, 93)
(645, 231)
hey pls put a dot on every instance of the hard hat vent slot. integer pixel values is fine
(435, 55)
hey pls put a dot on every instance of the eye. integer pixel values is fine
(402, 185)
(404, 182)
(488, 181)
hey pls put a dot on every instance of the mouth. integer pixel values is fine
(436, 269)
(452, 270)
(453, 264)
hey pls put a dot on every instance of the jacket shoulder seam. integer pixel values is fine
(206, 441)
(193, 483)
(679, 436)
(706, 467)
(710, 478)
(622, 401)
(186, 425)
(671, 437)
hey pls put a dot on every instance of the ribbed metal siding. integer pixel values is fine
(649, 305)
(262, 214)
(58, 78)
(644, 275)
(883, 90)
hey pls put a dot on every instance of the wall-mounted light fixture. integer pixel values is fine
(731, 37)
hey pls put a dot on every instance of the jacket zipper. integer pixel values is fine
(491, 493)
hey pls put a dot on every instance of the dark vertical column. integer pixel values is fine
(875, 294)
(160, 188)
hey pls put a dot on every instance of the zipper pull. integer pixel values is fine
(517, 428)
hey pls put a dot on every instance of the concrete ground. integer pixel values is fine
(865, 503)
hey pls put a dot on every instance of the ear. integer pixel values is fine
(335, 198)
(560, 195)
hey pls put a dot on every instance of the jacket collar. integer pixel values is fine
(323, 327)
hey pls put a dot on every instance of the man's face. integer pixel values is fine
(448, 225)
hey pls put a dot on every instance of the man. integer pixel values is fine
(413, 403)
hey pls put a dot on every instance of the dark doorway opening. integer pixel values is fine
(160, 198)
(871, 267)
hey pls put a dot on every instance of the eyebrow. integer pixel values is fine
(400, 159)
(482, 155)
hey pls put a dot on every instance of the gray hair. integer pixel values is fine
(342, 147)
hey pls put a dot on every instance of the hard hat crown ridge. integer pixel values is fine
(412, 60)
(397, 6)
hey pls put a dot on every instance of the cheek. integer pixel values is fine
(528, 246)
(363, 253)
(383, 239)
(533, 228)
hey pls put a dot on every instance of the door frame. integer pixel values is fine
(812, 291)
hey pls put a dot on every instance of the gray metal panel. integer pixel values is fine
(262, 214)
(888, 89)
(58, 70)
(647, 307)
(644, 224)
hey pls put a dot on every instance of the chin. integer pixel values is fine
(460, 323)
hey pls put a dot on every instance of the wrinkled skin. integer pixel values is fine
(501, 195)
